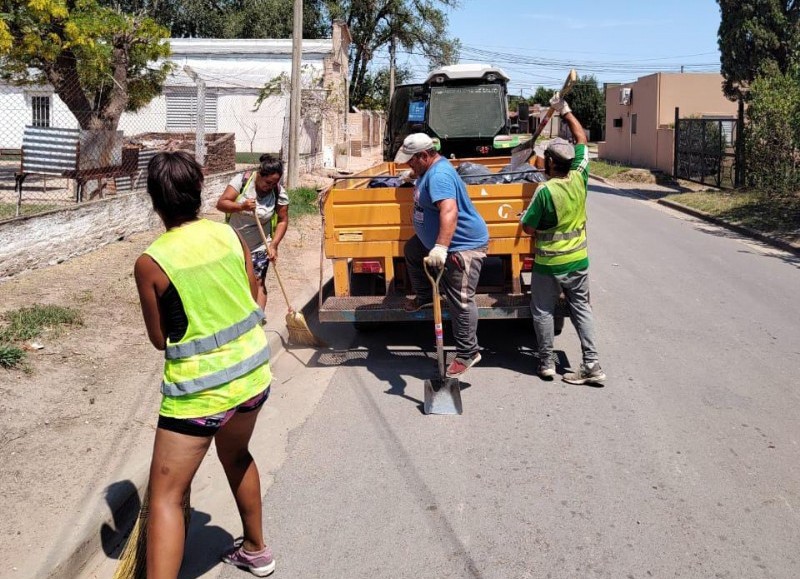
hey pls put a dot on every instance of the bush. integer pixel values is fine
(303, 201)
(772, 134)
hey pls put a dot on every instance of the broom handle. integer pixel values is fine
(274, 267)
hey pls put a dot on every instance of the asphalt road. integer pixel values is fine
(686, 464)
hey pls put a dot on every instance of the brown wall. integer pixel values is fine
(653, 102)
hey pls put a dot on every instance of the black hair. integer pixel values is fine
(269, 165)
(175, 182)
(560, 165)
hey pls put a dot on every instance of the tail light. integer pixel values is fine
(367, 266)
(483, 150)
(527, 263)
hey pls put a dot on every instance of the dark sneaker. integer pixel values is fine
(460, 365)
(416, 304)
(588, 374)
(546, 370)
(259, 564)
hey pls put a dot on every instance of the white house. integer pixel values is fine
(233, 71)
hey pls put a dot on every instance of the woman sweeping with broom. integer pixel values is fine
(197, 291)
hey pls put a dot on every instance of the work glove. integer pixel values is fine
(559, 104)
(437, 256)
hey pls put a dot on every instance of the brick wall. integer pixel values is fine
(49, 238)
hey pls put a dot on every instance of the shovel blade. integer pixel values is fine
(442, 396)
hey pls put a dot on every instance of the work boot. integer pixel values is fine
(546, 369)
(416, 303)
(590, 373)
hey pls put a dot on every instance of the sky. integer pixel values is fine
(536, 43)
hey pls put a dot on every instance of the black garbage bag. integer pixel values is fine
(476, 174)
(377, 182)
(524, 174)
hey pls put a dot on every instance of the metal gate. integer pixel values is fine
(708, 151)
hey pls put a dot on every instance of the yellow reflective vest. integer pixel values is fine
(223, 358)
(566, 242)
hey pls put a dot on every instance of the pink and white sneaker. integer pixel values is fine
(259, 564)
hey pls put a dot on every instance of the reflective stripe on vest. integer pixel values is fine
(553, 253)
(202, 345)
(544, 236)
(221, 377)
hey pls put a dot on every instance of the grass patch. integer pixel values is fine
(249, 158)
(303, 201)
(9, 210)
(28, 323)
(11, 356)
(606, 169)
(753, 209)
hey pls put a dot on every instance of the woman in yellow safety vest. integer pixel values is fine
(197, 291)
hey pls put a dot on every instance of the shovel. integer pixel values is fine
(521, 153)
(442, 394)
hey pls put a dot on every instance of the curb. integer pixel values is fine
(741, 229)
(778, 243)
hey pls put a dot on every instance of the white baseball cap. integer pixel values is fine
(413, 144)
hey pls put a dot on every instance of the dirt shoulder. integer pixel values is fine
(80, 424)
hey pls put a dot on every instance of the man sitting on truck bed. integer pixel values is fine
(450, 233)
(556, 216)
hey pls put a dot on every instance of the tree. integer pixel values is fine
(228, 18)
(756, 35)
(542, 96)
(772, 133)
(100, 61)
(415, 24)
(588, 104)
(376, 87)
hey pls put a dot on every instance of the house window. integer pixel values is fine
(618, 123)
(40, 109)
(182, 110)
(633, 124)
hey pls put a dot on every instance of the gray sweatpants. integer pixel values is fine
(459, 282)
(545, 290)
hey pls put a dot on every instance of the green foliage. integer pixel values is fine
(303, 201)
(606, 168)
(99, 60)
(588, 105)
(376, 87)
(28, 323)
(772, 133)
(542, 96)
(228, 18)
(754, 37)
(417, 25)
(11, 356)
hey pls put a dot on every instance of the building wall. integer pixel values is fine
(40, 240)
(654, 99)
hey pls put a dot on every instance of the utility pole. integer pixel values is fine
(392, 51)
(293, 173)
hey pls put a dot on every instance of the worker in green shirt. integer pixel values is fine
(556, 217)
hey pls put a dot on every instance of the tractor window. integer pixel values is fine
(467, 111)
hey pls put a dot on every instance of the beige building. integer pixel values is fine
(640, 116)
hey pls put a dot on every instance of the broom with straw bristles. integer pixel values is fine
(133, 561)
(299, 332)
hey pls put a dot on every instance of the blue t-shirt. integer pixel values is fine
(441, 182)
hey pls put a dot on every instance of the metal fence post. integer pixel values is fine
(675, 144)
(200, 127)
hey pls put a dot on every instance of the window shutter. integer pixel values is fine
(182, 110)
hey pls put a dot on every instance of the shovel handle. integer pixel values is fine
(437, 315)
